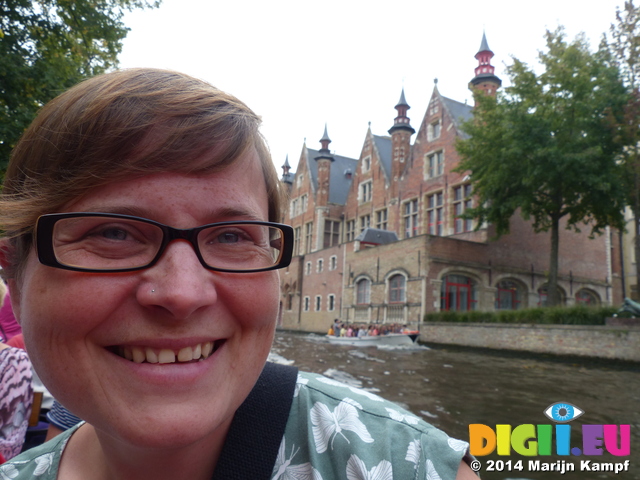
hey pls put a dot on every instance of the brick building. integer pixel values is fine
(379, 238)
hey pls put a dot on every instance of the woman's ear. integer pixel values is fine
(6, 250)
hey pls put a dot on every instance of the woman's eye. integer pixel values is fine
(114, 234)
(562, 412)
(228, 237)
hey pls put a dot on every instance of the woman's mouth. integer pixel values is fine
(195, 353)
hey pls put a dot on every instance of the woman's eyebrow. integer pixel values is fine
(221, 214)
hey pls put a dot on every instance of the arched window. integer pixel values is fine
(509, 295)
(363, 289)
(458, 293)
(587, 297)
(397, 288)
(542, 296)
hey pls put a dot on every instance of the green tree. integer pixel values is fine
(625, 49)
(46, 46)
(546, 146)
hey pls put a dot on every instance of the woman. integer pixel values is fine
(142, 254)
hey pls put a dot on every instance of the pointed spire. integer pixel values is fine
(402, 120)
(485, 78)
(325, 141)
(484, 45)
(287, 176)
(402, 102)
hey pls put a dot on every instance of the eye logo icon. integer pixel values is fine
(563, 412)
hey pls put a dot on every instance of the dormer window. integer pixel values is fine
(366, 164)
(433, 132)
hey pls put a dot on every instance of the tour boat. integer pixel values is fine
(393, 339)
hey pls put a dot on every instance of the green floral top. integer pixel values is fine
(334, 431)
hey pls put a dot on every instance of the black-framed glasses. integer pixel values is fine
(105, 242)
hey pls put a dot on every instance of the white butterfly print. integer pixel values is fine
(357, 470)
(458, 445)
(43, 464)
(285, 471)
(431, 472)
(8, 472)
(413, 452)
(327, 424)
(400, 417)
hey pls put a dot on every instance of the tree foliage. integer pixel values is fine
(46, 46)
(547, 145)
(624, 46)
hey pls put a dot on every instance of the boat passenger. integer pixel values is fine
(141, 244)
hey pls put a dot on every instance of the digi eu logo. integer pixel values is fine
(532, 440)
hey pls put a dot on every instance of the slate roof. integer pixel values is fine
(376, 236)
(339, 183)
(460, 112)
(385, 152)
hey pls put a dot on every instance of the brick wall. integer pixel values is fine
(619, 343)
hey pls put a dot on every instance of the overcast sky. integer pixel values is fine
(300, 64)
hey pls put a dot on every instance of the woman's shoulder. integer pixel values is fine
(320, 392)
(335, 426)
(40, 462)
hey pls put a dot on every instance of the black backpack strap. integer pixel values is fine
(251, 447)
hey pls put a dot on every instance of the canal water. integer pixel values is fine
(453, 387)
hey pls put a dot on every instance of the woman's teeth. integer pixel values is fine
(200, 351)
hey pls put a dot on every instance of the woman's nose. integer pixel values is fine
(178, 282)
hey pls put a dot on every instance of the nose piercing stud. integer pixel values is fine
(153, 291)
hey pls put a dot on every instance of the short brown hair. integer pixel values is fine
(118, 126)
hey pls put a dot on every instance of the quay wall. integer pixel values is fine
(609, 342)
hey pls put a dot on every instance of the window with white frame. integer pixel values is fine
(462, 201)
(363, 291)
(308, 236)
(433, 132)
(331, 233)
(351, 230)
(320, 265)
(294, 208)
(435, 164)
(333, 262)
(318, 303)
(410, 218)
(397, 288)
(365, 222)
(331, 302)
(307, 268)
(435, 213)
(299, 180)
(366, 164)
(382, 219)
(297, 233)
(307, 304)
(365, 191)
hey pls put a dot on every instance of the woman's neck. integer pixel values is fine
(96, 456)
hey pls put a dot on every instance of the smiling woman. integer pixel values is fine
(142, 249)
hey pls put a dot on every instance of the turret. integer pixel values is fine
(400, 141)
(324, 170)
(485, 79)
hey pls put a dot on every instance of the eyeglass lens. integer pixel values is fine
(105, 243)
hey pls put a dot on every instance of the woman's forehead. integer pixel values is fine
(238, 190)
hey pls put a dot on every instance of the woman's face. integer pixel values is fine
(77, 325)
